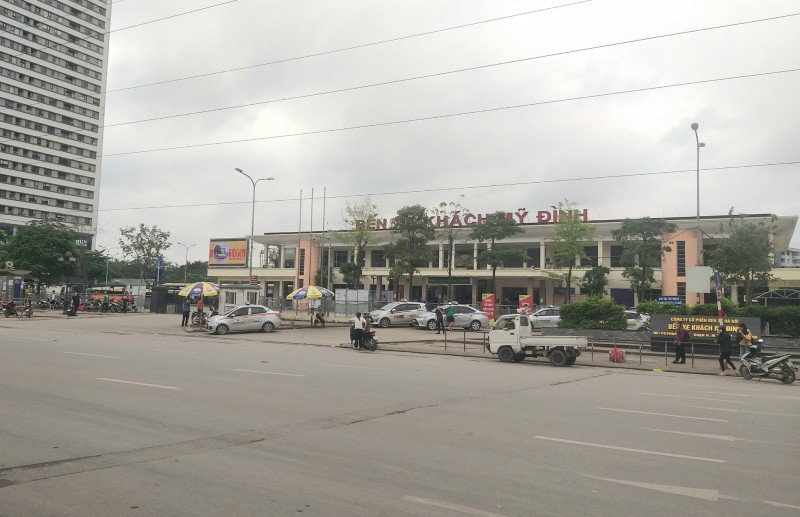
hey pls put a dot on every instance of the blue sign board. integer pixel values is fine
(675, 300)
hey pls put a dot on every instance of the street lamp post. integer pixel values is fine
(699, 245)
(186, 259)
(252, 220)
(66, 259)
(108, 257)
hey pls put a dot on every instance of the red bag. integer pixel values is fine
(616, 355)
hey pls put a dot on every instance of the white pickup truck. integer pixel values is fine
(511, 339)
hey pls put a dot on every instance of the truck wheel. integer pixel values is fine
(558, 357)
(571, 361)
(519, 357)
(505, 354)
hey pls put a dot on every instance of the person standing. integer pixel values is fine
(451, 316)
(439, 320)
(725, 343)
(76, 302)
(681, 337)
(53, 300)
(105, 302)
(187, 309)
(744, 338)
(124, 302)
(358, 330)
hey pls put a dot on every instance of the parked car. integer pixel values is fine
(396, 313)
(465, 317)
(636, 320)
(246, 318)
(547, 317)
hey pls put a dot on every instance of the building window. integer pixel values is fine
(378, 258)
(682, 290)
(302, 264)
(591, 256)
(288, 258)
(534, 257)
(339, 257)
(681, 245)
(616, 256)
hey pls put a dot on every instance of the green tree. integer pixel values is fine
(497, 227)
(743, 255)
(412, 230)
(452, 215)
(569, 237)
(595, 281)
(321, 277)
(643, 248)
(359, 230)
(351, 274)
(37, 248)
(143, 245)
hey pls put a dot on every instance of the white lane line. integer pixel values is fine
(705, 386)
(702, 435)
(745, 411)
(450, 506)
(360, 367)
(626, 449)
(724, 393)
(30, 338)
(788, 397)
(139, 383)
(690, 397)
(697, 493)
(662, 414)
(170, 350)
(269, 373)
(782, 505)
(91, 355)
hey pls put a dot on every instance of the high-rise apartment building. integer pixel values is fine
(53, 63)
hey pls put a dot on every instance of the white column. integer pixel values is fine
(441, 256)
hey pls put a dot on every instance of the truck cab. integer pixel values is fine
(512, 340)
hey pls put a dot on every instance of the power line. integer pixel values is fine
(447, 115)
(449, 72)
(345, 49)
(472, 187)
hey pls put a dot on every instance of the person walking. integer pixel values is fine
(681, 337)
(439, 320)
(450, 312)
(744, 338)
(725, 343)
(76, 302)
(187, 309)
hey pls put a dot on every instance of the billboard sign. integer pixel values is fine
(228, 252)
(703, 328)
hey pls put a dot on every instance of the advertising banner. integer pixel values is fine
(526, 300)
(228, 252)
(487, 306)
(704, 328)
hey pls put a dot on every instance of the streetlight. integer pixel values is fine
(699, 244)
(66, 259)
(108, 257)
(252, 219)
(186, 259)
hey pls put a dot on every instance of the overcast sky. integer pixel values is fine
(748, 121)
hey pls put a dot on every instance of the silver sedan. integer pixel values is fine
(247, 318)
(465, 317)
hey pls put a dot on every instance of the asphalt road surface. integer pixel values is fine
(128, 415)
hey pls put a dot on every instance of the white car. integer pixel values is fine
(246, 318)
(465, 317)
(547, 317)
(396, 313)
(635, 320)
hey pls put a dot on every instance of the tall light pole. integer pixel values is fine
(186, 258)
(699, 244)
(67, 259)
(108, 257)
(252, 220)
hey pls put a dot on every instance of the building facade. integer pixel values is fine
(788, 258)
(53, 69)
(293, 260)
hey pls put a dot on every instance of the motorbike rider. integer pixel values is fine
(27, 310)
(725, 343)
(744, 338)
(11, 309)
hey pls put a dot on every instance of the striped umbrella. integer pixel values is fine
(200, 288)
(311, 292)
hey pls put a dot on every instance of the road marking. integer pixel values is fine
(782, 505)
(170, 350)
(92, 355)
(697, 493)
(450, 506)
(690, 397)
(662, 414)
(788, 397)
(707, 386)
(724, 393)
(626, 449)
(745, 411)
(702, 435)
(269, 373)
(139, 383)
(361, 367)
(32, 338)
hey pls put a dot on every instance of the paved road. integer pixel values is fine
(129, 415)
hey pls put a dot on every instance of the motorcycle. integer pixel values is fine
(370, 342)
(755, 365)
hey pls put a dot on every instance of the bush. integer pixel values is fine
(653, 307)
(593, 313)
(785, 320)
